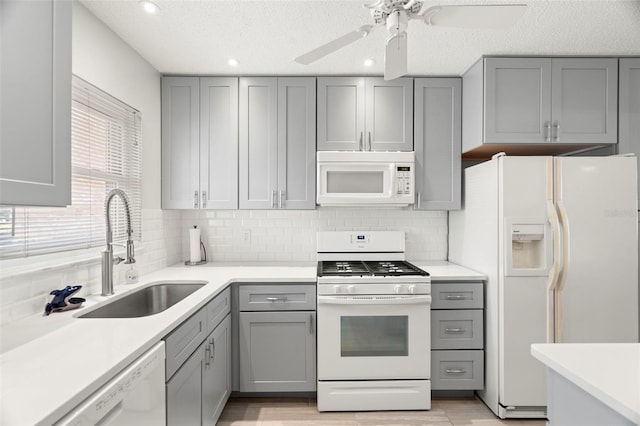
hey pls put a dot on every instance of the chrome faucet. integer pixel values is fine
(107, 255)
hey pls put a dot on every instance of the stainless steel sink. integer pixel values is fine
(145, 301)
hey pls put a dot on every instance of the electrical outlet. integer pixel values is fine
(246, 235)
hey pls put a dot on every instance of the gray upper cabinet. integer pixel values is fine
(35, 87)
(584, 100)
(438, 143)
(540, 101)
(365, 114)
(630, 109)
(199, 142)
(277, 143)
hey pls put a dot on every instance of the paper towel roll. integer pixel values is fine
(194, 245)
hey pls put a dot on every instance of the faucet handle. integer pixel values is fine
(117, 260)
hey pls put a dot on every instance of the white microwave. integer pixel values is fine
(365, 178)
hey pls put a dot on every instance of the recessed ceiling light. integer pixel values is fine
(369, 62)
(233, 62)
(150, 7)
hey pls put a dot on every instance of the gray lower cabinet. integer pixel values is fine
(277, 338)
(365, 114)
(438, 143)
(557, 102)
(198, 366)
(457, 336)
(629, 112)
(277, 143)
(199, 142)
(35, 87)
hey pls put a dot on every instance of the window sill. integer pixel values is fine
(10, 268)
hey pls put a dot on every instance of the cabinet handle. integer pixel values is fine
(310, 323)
(419, 203)
(557, 135)
(274, 196)
(454, 330)
(204, 199)
(195, 199)
(369, 141)
(455, 371)
(455, 297)
(207, 355)
(548, 131)
(361, 147)
(281, 201)
(212, 342)
(277, 299)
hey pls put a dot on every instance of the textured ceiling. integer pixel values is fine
(198, 37)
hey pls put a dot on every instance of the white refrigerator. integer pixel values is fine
(557, 238)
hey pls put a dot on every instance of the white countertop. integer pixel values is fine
(53, 363)
(610, 372)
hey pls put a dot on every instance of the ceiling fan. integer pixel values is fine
(395, 15)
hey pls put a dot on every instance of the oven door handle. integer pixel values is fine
(374, 300)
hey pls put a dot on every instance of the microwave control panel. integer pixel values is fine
(404, 180)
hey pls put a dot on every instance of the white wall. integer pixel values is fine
(106, 61)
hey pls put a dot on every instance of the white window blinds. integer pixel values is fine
(106, 151)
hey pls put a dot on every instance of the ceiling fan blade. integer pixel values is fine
(334, 45)
(497, 17)
(395, 56)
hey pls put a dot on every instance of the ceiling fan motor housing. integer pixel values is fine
(382, 10)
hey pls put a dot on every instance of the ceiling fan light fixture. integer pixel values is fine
(150, 7)
(369, 62)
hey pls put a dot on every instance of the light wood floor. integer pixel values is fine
(303, 411)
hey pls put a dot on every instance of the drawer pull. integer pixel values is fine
(454, 330)
(455, 371)
(455, 297)
(277, 299)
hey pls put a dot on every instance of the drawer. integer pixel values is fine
(217, 309)
(185, 339)
(457, 296)
(293, 297)
(457, 329)
(457, 370)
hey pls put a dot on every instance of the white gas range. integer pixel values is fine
(373, 324)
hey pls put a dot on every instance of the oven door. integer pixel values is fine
(374, 337)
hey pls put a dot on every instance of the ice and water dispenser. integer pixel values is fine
(528, 251)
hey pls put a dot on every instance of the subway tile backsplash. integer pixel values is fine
(290, 235)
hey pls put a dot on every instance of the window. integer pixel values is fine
(106, 151)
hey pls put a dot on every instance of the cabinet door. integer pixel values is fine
(216, 378)
(438, 143)
(630, 108)
(184, 391)
(219, 142)
(180, 143)
(584, 102)
(277, 351)
(35, 100)
(517, 100)
(297, 143)
(341, 113)
(389, 114)
(258, 143)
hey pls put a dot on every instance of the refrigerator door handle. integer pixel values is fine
(554, 271)
(562, 279)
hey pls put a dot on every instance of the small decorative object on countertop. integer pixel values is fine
(62, 300)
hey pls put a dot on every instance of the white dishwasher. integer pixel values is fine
(136, 396)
